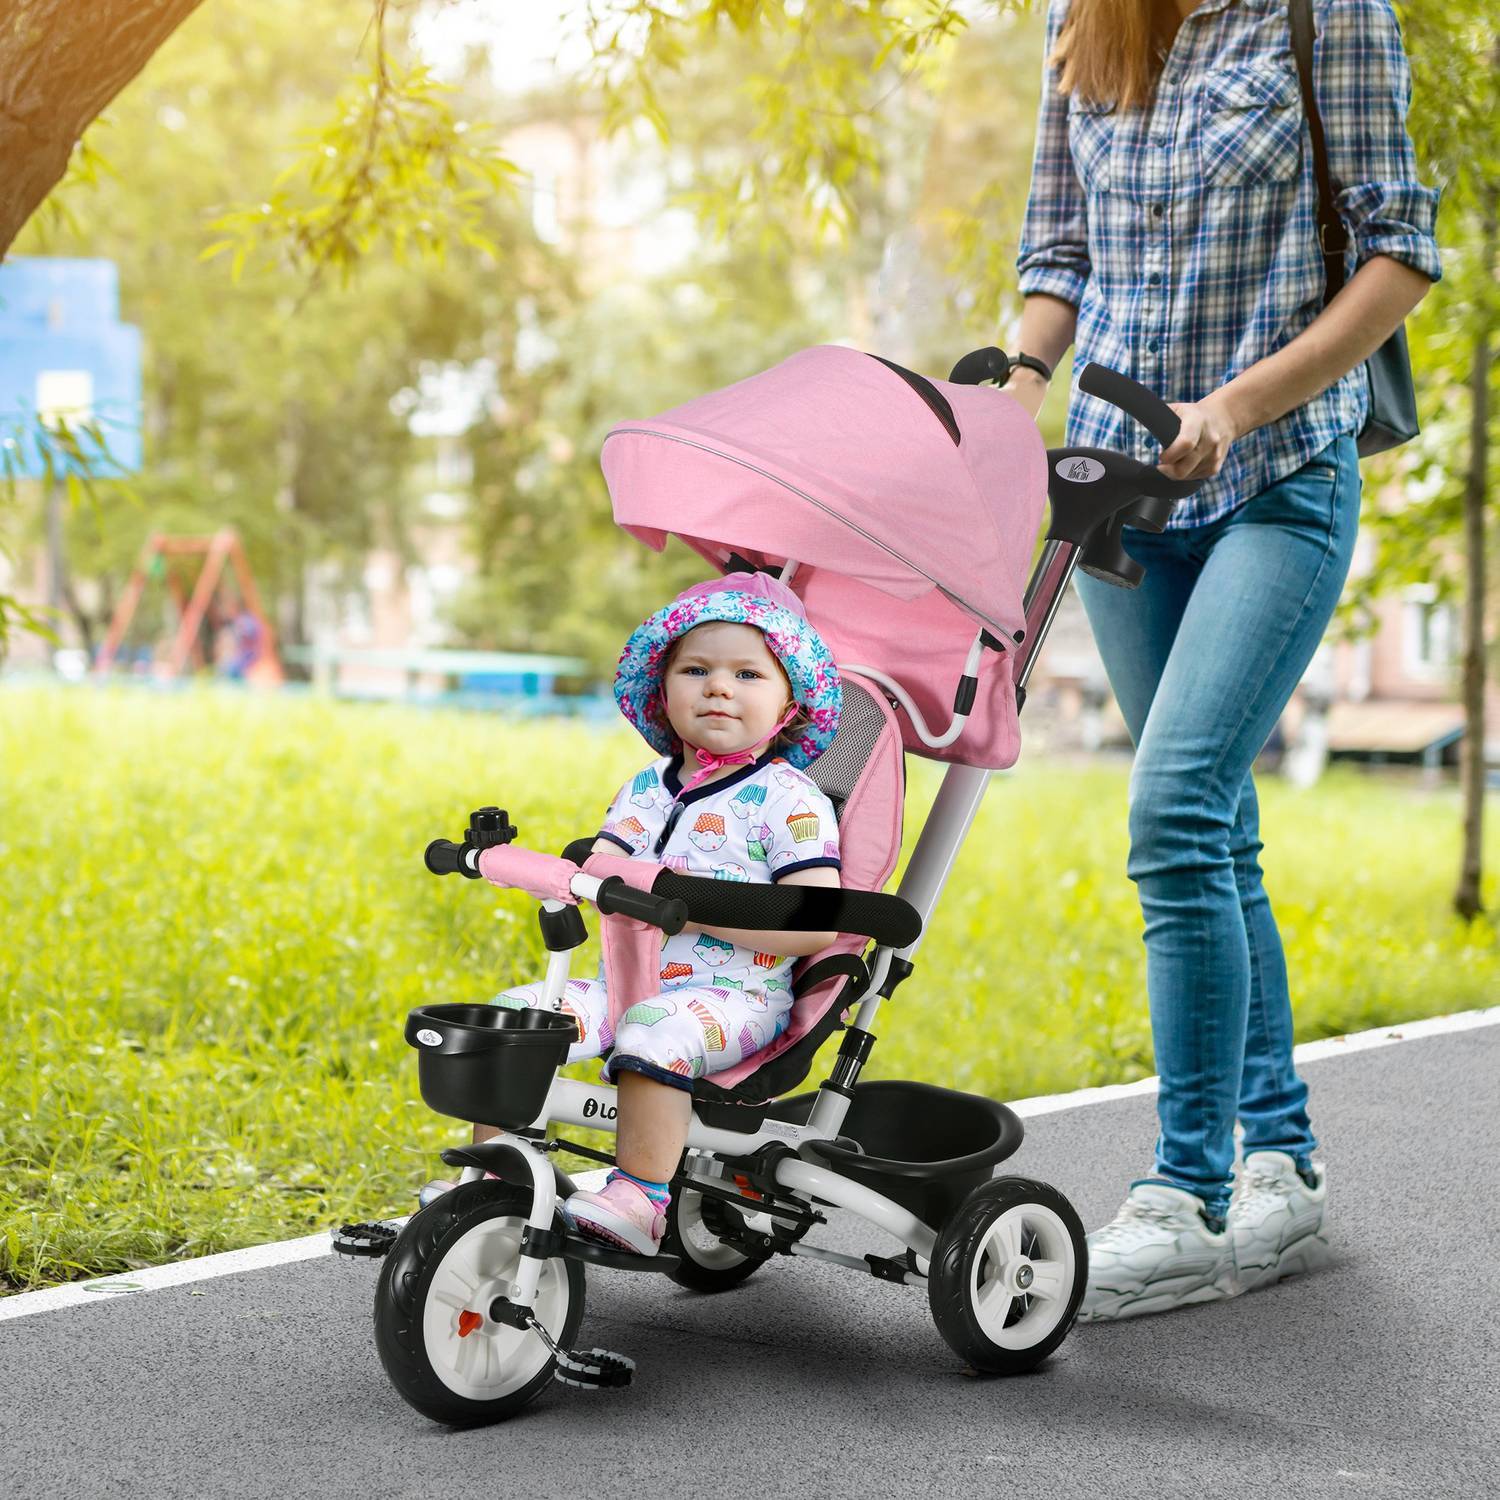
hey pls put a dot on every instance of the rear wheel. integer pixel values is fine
(443, 1352)
(695, 1233)
(1008, 1272)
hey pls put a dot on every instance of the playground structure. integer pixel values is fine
(226, 567)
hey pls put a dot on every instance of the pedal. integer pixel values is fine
(371, 1237)
(593, 1369)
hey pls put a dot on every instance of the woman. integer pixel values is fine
(1171, 230)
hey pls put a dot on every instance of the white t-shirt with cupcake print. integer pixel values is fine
(760, 823)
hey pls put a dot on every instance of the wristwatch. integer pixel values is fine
(1031, 362)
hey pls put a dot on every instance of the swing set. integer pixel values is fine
(222, 593)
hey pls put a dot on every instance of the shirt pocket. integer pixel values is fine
(1250, 127)
(1091, 137)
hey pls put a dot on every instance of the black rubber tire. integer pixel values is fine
(401, 1294)
(953, 1262)
(691, 1273)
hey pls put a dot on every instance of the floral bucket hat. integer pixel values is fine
(758, 599)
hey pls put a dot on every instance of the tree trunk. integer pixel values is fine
(61, 62)
(1468, 897)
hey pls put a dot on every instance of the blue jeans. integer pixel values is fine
(1202, 658)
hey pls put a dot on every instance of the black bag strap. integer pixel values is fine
(1333, 237)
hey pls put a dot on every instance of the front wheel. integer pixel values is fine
(1008, 1272)
(443, 1352)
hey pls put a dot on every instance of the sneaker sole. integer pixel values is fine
(1139, 1305)
(1306, 1255)
(607, 1234)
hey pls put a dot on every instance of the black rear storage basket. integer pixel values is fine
(924, 1147)
(487, 1063)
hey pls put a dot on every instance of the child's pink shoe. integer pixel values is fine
(620, 1214)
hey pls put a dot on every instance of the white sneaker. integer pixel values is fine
(1276, 1220)
(1157, 1253)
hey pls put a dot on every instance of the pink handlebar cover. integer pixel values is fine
(545, 876)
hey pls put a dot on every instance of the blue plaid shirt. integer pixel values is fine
(1186, 234)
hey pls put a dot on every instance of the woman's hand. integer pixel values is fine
(1028, 388)
(1199, 449)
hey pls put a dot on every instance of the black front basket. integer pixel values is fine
(487, 1063)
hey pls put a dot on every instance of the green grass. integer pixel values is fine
(214, 918)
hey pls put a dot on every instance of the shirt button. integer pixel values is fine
(1152, 346)
(1155, 278)
(1157, 210)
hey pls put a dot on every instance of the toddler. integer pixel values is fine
(739, 692)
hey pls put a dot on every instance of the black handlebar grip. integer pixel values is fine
(980, 365)
(444, 857)
(615, 898)
(1131, 396)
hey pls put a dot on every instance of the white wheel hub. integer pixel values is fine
(703, 1246)
(484, 1360)
(1022, 1276)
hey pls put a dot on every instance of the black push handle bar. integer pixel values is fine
(1133, 398)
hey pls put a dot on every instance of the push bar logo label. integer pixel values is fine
(1080, 470)
(430, 1038)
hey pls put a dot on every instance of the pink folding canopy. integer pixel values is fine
(911, 506)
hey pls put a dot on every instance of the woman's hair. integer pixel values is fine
(796, 726)
(1111, 51)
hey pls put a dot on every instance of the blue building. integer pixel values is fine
(64, 353)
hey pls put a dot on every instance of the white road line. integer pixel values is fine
(285, 1252)
(1333, 1046)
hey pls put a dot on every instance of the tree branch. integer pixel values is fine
(61, 63)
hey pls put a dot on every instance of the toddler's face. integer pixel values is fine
(725, 689)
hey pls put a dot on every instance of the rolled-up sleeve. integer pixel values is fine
(1363, 84)
(1054, 255)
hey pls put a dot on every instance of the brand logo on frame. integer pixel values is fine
(592, 1107)
(1080, 470)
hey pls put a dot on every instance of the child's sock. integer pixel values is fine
(658, 1192)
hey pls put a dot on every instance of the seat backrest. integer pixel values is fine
(863, 773)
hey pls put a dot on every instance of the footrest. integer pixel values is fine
(575, 1247)
(593, 1369)
(370, 1237)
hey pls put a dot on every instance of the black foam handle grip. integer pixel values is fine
(615, 898)
(444, 857)
(1131, 396)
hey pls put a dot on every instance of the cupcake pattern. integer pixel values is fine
(691, 1033)
(758, 827)
(709, 832)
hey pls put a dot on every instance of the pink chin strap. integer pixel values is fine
(710, 762)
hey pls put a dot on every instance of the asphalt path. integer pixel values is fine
(1378, 1375)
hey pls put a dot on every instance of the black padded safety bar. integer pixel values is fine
(795, 908)
(798, 908)
(936, 401)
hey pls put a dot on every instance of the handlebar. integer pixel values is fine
(1098, 380)
(1132, 398)
(616, 898)
(612, 895)
(444, 857)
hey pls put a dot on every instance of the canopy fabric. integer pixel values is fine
(837, 460)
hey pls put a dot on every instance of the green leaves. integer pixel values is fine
(396, 168)
(816, 76)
